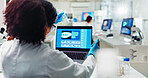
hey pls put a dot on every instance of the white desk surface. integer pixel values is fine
(133, 74)
(115, 42)
(125, 47)
(1, 75)
(112, 41)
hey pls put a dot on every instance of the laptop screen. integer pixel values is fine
(73, 37)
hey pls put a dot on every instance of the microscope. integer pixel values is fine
(136, 35)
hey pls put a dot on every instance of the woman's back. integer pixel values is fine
(24, 61)
(33, 61)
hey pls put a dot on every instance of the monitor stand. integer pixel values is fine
(108, 33)
(125, 38)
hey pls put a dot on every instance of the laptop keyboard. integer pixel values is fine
(77, 56)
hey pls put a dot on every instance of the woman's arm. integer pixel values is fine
(61, 66)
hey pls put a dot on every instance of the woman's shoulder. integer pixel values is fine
(7, 43)
(48, 49)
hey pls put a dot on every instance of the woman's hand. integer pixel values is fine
(94, 48)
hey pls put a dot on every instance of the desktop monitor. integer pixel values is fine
(127, 23)
(85, 14)
(73, 37)
(106, 24)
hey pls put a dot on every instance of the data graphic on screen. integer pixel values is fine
(126, 26)
(74, 38)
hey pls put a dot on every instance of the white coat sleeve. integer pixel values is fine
(61, 66)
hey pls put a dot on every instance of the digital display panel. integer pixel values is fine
(85, 14)
(74, 38)
(126, 26)
(106, 24)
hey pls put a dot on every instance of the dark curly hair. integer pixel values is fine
(50, 11)
(26, 19)
(88, 19)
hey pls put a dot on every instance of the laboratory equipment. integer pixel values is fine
(136, 34)
(61, 16)
(126, 67)
(62, 19)
(75, 20)
(70, 17)
(75, 41)
(133, 55)
(85, 14)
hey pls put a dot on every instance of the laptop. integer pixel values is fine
(74, 41)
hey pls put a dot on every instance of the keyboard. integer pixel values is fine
(76, 55)
(109, 35)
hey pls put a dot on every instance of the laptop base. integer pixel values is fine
(76, 55)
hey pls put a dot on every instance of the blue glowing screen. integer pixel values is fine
(85, 14)
(126, 26)
(74, 38)
(106, 24)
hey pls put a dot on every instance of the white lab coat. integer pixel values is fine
(88, 24)
(33, 61)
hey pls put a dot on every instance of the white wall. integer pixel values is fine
(62, 6)
(140, 8)
(2, 7)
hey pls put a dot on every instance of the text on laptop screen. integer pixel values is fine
(74, 38)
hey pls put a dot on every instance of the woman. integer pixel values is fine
(28, 21)
(89, 20)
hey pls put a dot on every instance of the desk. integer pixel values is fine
(1, 75)
(133, 74)
(113, 42)
(125, 50)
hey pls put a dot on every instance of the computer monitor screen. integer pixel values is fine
(126, 26)
(85, 14)
(71, 37)
(106, 24)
